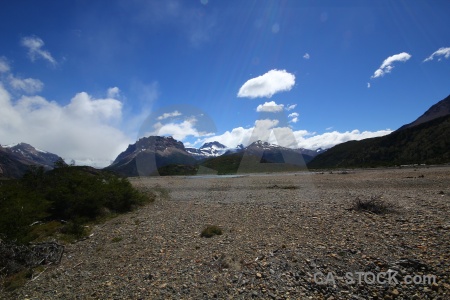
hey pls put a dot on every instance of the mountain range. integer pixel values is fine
(15, 160)
(423, 141)
(164, 155)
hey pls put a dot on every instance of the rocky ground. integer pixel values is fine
(290, 236)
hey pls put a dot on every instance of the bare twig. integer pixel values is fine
(35, 277)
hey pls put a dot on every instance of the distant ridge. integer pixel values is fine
(440, 109)
(15, 160)
(420, 142)
(259, 156)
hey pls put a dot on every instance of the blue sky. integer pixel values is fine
(84, 79)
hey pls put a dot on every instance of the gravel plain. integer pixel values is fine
(285, 236)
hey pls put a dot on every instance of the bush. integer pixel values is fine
(69, 193)
(375, 204)
(19, 208)
(210, 231)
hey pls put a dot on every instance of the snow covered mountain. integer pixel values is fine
(211, 149)
(16, 159)
(32, 154)
(276, 154)
(215, 149)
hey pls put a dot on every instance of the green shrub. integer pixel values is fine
(210, 231)
(19, 209)
(73, 194)
(116, 239)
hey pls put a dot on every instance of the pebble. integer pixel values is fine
(166, 259)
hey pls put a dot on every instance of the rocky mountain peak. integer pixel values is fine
(214, 144)
(15, 159)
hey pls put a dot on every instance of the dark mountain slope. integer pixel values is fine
(148, 154)
(426, 143)
(440, 109)
(10, 166)
(16, 160)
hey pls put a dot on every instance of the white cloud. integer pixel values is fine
(83, 106)
(34, 45)
(330, 139)
(113, 92)
(386, 66)
(4, 65)
(368, 85)
(178, 130)
(168, 115)
(291, 107)
(84, 130)
(440, 52)
(232, 138)
(294, 117)
(27, 85)
(266, 130)
(262, 130)
(270, 107)
(268, 84)
(306, 56)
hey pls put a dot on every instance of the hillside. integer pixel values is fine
(426, 143)
(440, 109)
(11, 166)
(148, 154)
(15, 160)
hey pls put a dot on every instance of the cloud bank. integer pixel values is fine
(35, 46)
(387, 65)
(445, 52)
(268, 130)
(84, 130)
(267, 85)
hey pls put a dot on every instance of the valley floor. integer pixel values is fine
(280, 232)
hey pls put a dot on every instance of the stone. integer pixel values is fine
(435, 286)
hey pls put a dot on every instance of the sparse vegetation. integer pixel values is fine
(374, 204)
(283, 187)
(211, 230)
(76, 195)
(59, 203)
(116, 239)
